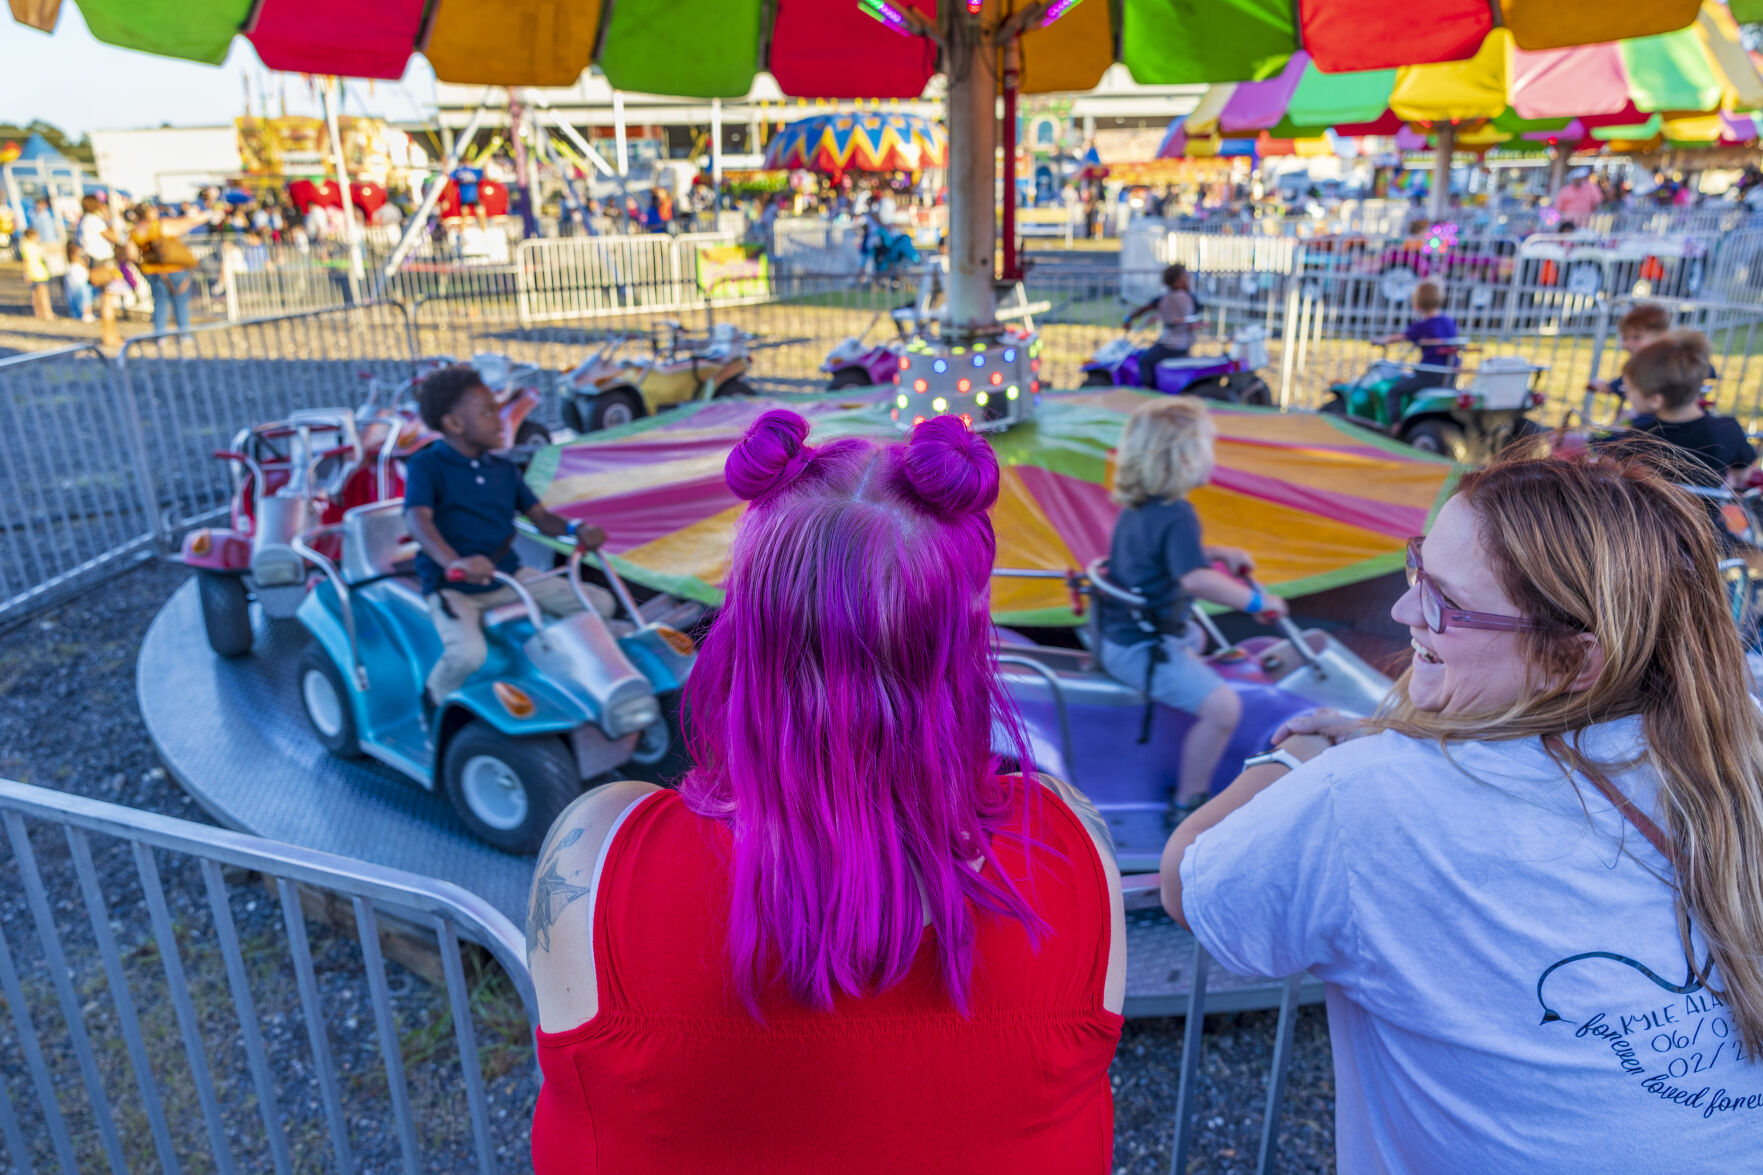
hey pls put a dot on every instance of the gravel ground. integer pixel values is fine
(68, 720)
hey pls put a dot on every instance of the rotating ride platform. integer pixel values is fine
(233, 734)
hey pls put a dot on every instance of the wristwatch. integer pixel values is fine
(1278, 755)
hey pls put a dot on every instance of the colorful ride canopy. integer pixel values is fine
(830, 48)
(1701, 69)
(837, 143)
(1318, 502)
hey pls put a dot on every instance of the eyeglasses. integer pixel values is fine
(1441, 613)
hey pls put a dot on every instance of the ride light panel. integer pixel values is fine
(981, 383)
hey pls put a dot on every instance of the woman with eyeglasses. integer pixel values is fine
(1533, 884)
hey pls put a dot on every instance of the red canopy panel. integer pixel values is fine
(1343, 35)
(344, 37)
(822, 50)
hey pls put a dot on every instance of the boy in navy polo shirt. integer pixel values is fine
(460, 501)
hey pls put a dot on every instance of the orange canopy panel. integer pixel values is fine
(39, 14)
(1071, 54)
(511, 42)
(1554, 24)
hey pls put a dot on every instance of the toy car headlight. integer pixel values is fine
(632, 715)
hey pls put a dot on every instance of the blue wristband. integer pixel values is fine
(569, 528)
(1256, 604)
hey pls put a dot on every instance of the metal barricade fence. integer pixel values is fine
(68, 476)
(598, 277)
(1332, 322)
(152, 1027)
(1735, 341)
(193, 392)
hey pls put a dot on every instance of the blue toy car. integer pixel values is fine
(556, 704)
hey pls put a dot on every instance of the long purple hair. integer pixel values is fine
(841, 711)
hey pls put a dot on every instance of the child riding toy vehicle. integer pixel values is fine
(556, 703)
(1084, 725)
(605, 391)
(1464, 423)
(516, 387)
(291, 475)
(1230, 377)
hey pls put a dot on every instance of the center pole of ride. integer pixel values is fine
(1012, 50)
(973, 124)
(1438, 200)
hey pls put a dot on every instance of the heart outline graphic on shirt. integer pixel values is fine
(1550, 1016)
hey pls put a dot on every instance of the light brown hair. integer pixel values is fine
(1429, 298)
(1609, 546)
(1644, 318)
(1673, 368)
(1165, 451)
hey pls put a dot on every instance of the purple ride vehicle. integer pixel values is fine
(1231, 377)
(1083, 725)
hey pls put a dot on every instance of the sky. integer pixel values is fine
(82, 85)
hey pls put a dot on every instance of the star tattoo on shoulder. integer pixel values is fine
(552, 894)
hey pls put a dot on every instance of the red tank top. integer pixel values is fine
(672, 1075)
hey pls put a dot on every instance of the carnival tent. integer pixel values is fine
(837, 143)
(831, 48)
(1319, 502)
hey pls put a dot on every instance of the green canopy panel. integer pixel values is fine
(692, 48)
(1330, 99)
(1670, 72)
(1510, 123)
(1184, 42)
(1636, 131)
(196, 30)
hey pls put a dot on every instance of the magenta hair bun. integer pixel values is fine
(951, 468)
(771, 456)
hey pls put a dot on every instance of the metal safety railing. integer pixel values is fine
(194, 1033)
(177, 1024)
(68, 475)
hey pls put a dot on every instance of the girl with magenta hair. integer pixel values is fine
(853, 939)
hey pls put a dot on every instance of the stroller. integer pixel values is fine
(891, 253)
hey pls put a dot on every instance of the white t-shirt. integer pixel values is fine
(91, 236)
(1506, 988)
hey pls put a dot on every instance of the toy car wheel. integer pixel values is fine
(1396, 284)
(1584, 279)
(1441, 437)
(1097, 379)
(612, 409)
(1245, 387)
(734, 387)
(325, 697)
(1334, 405)
(509, 790)
(531, 432)
(845, 377)
(226, 612)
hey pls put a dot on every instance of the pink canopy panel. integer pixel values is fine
(343, 37)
